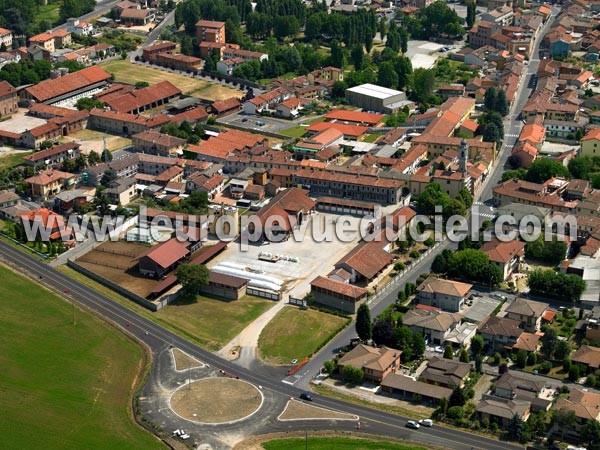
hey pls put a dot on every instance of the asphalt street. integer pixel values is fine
(157, 339)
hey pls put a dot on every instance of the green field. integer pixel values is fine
(63, 386)
(327, 443)
(12, 160)
(209, 323)
(296, 333)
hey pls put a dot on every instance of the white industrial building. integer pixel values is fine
(371, 97)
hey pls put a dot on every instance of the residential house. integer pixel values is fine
(47, 183)
(446, 294)
(527, 312)
(502, 411)
(53, 156)
(407, 388)
(336, 294)
(445, 372)
(137, 17)
(506, 255)
(289, 108)
(590, 143)
(121, 191)
(365, 261)
(210, 31)
(587, 356)
(48, 221)
(433, 325)
(156, 143)
(79, 27)
(376, 363)
(585, 405)
(6, 38)
(500, 333)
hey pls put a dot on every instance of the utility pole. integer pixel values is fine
(73, 303)
(306, 435)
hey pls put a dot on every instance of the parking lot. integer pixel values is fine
(314, 258)
(257, 123)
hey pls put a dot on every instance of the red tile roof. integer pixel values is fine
(71, 82)
(6, 89)
(167, 253)
(338, 287)
(502, 252)
(346, 129)
(354, 116)
(144, 97)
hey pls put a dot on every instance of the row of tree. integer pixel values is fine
(468, 264)
(433, 197)
(556, 284)
(553, 251)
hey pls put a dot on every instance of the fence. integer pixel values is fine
(152, 306)
(394, 282)
(264, 294)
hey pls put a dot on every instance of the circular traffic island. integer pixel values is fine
(216, 400)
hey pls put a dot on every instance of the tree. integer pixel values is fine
(338, 90)
(590, 433)
(477, 344)
(471, 13)
(565, 420)
(387, 76)
(544, 168)
(93, 158)
(364, 327)
(464, 356)
(532, 359)
(106, 155)
(501, 103)
(556, 284)
(574, 373)
(491, 133)
(353, 374)
(192, 277)
(418, 345)
(383, 333)
(329, 366)
(458, 397)
(357, 56)
(521, 359)
(489, 99)
(515, 427)
(448, 352)
(562, 350)
(423, 84)
(479, 364)
(89, 103)
(549, 342)
(566, 365)
(337, 55)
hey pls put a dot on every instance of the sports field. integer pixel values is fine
(63, 386)
(126, 71)
(296, 333)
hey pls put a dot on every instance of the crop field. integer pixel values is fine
(64, 385)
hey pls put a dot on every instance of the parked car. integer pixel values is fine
(412, 424)
(426, 422)
(307, 397)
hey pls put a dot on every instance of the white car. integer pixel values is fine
(412, 424)
(426, 422)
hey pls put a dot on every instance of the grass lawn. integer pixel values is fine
(12, 159)
(294, 132)
(213, 322)
(208, 323)
(297, 333)
(63, 385)
(331, 443)
(125, 71)
(370, 138)
(48, 13)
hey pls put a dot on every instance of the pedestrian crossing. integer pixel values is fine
(511, 135)
(476, 210)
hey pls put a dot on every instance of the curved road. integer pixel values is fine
(157, 338)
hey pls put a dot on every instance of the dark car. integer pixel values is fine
(307, 397)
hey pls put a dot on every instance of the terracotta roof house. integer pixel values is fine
(585, 405)
(587, 356)
(527, 312)
(49, 220)
(528, 342)
(337, 294)
(506, 255)
(47, 183)
(163, 258)
(365, 261)
(432, 325)
(355, 117)
(377, 363)
(446, 294)
(500, 333)
(140, 100)
(445, 372)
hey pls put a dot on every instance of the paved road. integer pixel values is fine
(102, 7)
(157, 339)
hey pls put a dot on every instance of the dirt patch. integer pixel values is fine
(117, 261)
(183, 361)
(216, 400)
(296, 410)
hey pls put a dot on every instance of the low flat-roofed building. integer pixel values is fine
(337, 294)
(372, 97)
(408, 388)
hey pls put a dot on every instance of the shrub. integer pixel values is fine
(545, 367)
(398, 267)
(532, 359)
(455, 412)
(353, 375)
(574, 373)
(485, 422)
(414, 254)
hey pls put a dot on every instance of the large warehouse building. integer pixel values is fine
(376, 98)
